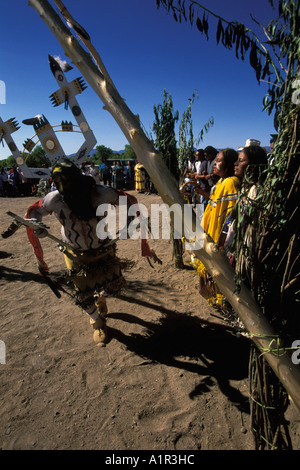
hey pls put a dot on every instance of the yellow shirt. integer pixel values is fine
(222, 200)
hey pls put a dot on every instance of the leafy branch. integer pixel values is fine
(281, 45)
(187, 141)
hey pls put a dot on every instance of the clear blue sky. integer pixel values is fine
(145, 51)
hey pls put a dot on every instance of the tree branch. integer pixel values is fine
(272, 45)
(215, 261)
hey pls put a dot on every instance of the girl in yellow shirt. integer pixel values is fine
(221, 201)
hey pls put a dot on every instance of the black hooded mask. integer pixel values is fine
(75, 188)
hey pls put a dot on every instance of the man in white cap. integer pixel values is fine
(249, 143)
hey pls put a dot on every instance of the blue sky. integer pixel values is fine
(145, 51)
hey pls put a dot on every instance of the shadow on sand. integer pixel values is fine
(210, 350)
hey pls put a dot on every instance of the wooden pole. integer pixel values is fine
(215, 261)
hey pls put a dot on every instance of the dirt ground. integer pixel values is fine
(174, 375)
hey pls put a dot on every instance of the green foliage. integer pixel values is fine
(37, 158)
(165, 136)
(186, 135)
(102, 153)
(8, 162)
(274, 61)
(105, 153)
(128, 153)
(165, 143)
(271, 260)
(187, 141)
(164, 129)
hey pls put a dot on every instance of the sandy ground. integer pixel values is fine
(174, 375)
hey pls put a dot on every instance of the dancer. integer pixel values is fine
(92, 263)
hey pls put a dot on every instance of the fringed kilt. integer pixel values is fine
(97, 270)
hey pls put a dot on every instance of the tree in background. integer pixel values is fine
(105, 153)
(37, 158)
(8, 162)
(186, 137)
(187, 141)
(164, 130)
(165, 143)
(275, 265)
(256, 319)
(128, 153)
(102, 153)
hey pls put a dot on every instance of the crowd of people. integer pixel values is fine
(131, 176)
(114, 174)
(225, 182)
(14, 184)
(213, 179)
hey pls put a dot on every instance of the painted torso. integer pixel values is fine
(81, 234)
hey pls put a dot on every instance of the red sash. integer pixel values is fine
(35, 242)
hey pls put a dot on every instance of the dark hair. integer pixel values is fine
(230, 157)
(256, 155)
(258, 162)
(273, 138)
(211, 150)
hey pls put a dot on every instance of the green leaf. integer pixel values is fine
(253, 56)
(220, 31)
(205, 25)
(199, 24)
